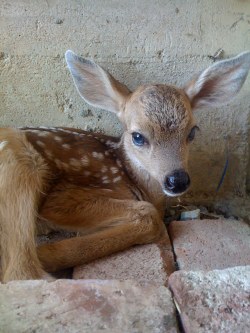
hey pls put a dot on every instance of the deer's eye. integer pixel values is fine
(191, 135)
(138, 139)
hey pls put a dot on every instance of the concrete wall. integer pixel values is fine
(139, 42)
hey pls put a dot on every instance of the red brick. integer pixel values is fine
(145, 263)
(88, 306)
(215, 301)
(210, 244)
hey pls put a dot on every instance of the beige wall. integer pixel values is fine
(139, 42)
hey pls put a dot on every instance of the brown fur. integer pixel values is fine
(108, 189)
(161, 100)
(23, 175)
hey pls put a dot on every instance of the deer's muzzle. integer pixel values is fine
(177, 182)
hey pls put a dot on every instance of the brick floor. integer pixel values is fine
(210, 244)
(146, 263)
(215, 301)
(209, 300)
(89, 306)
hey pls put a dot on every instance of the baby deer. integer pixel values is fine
(111, 190)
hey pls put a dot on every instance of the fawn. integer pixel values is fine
(111, 190)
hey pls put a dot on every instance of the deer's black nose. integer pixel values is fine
(177, 182)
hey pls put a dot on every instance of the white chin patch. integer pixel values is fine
(169, 194)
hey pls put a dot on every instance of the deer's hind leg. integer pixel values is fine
(22, 177)
(112, 225)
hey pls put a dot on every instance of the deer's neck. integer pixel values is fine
(147, 185)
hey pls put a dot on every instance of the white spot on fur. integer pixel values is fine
(75, 163)
(119, 163)
(114, 170)
(3, 144)
(33, 130)
(111, 144)
(66, 146)
(42, 133)
(58, 138)
(85, 160)
(104, 169)
(40, 144)
(63, 130)
(48, 128)
(117, 179)
(48, 153)
(98, 156)
(67, 131)
(86, 173)
(106, 181)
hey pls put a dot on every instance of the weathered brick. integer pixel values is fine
(210, 244)
(88, 306)
(145, 263)
(215, 301)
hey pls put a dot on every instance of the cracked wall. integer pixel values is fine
(139, 42)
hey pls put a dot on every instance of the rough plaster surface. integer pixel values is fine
(85, 306)
(139, 42)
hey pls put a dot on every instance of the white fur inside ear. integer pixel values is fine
(96, 86)
(219, 83)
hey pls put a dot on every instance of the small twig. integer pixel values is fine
(225, 167)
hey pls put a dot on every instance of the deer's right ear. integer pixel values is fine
(219, 83)
(96, 86)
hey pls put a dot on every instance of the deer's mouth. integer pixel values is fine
(171, 194)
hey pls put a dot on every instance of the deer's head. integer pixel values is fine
(158, 119)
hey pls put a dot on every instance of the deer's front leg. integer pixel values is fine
(122, 223)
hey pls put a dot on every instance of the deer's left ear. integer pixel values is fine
(219, 83)
(96, 86)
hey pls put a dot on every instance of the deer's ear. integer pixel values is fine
(96, 86)
(219, 83)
